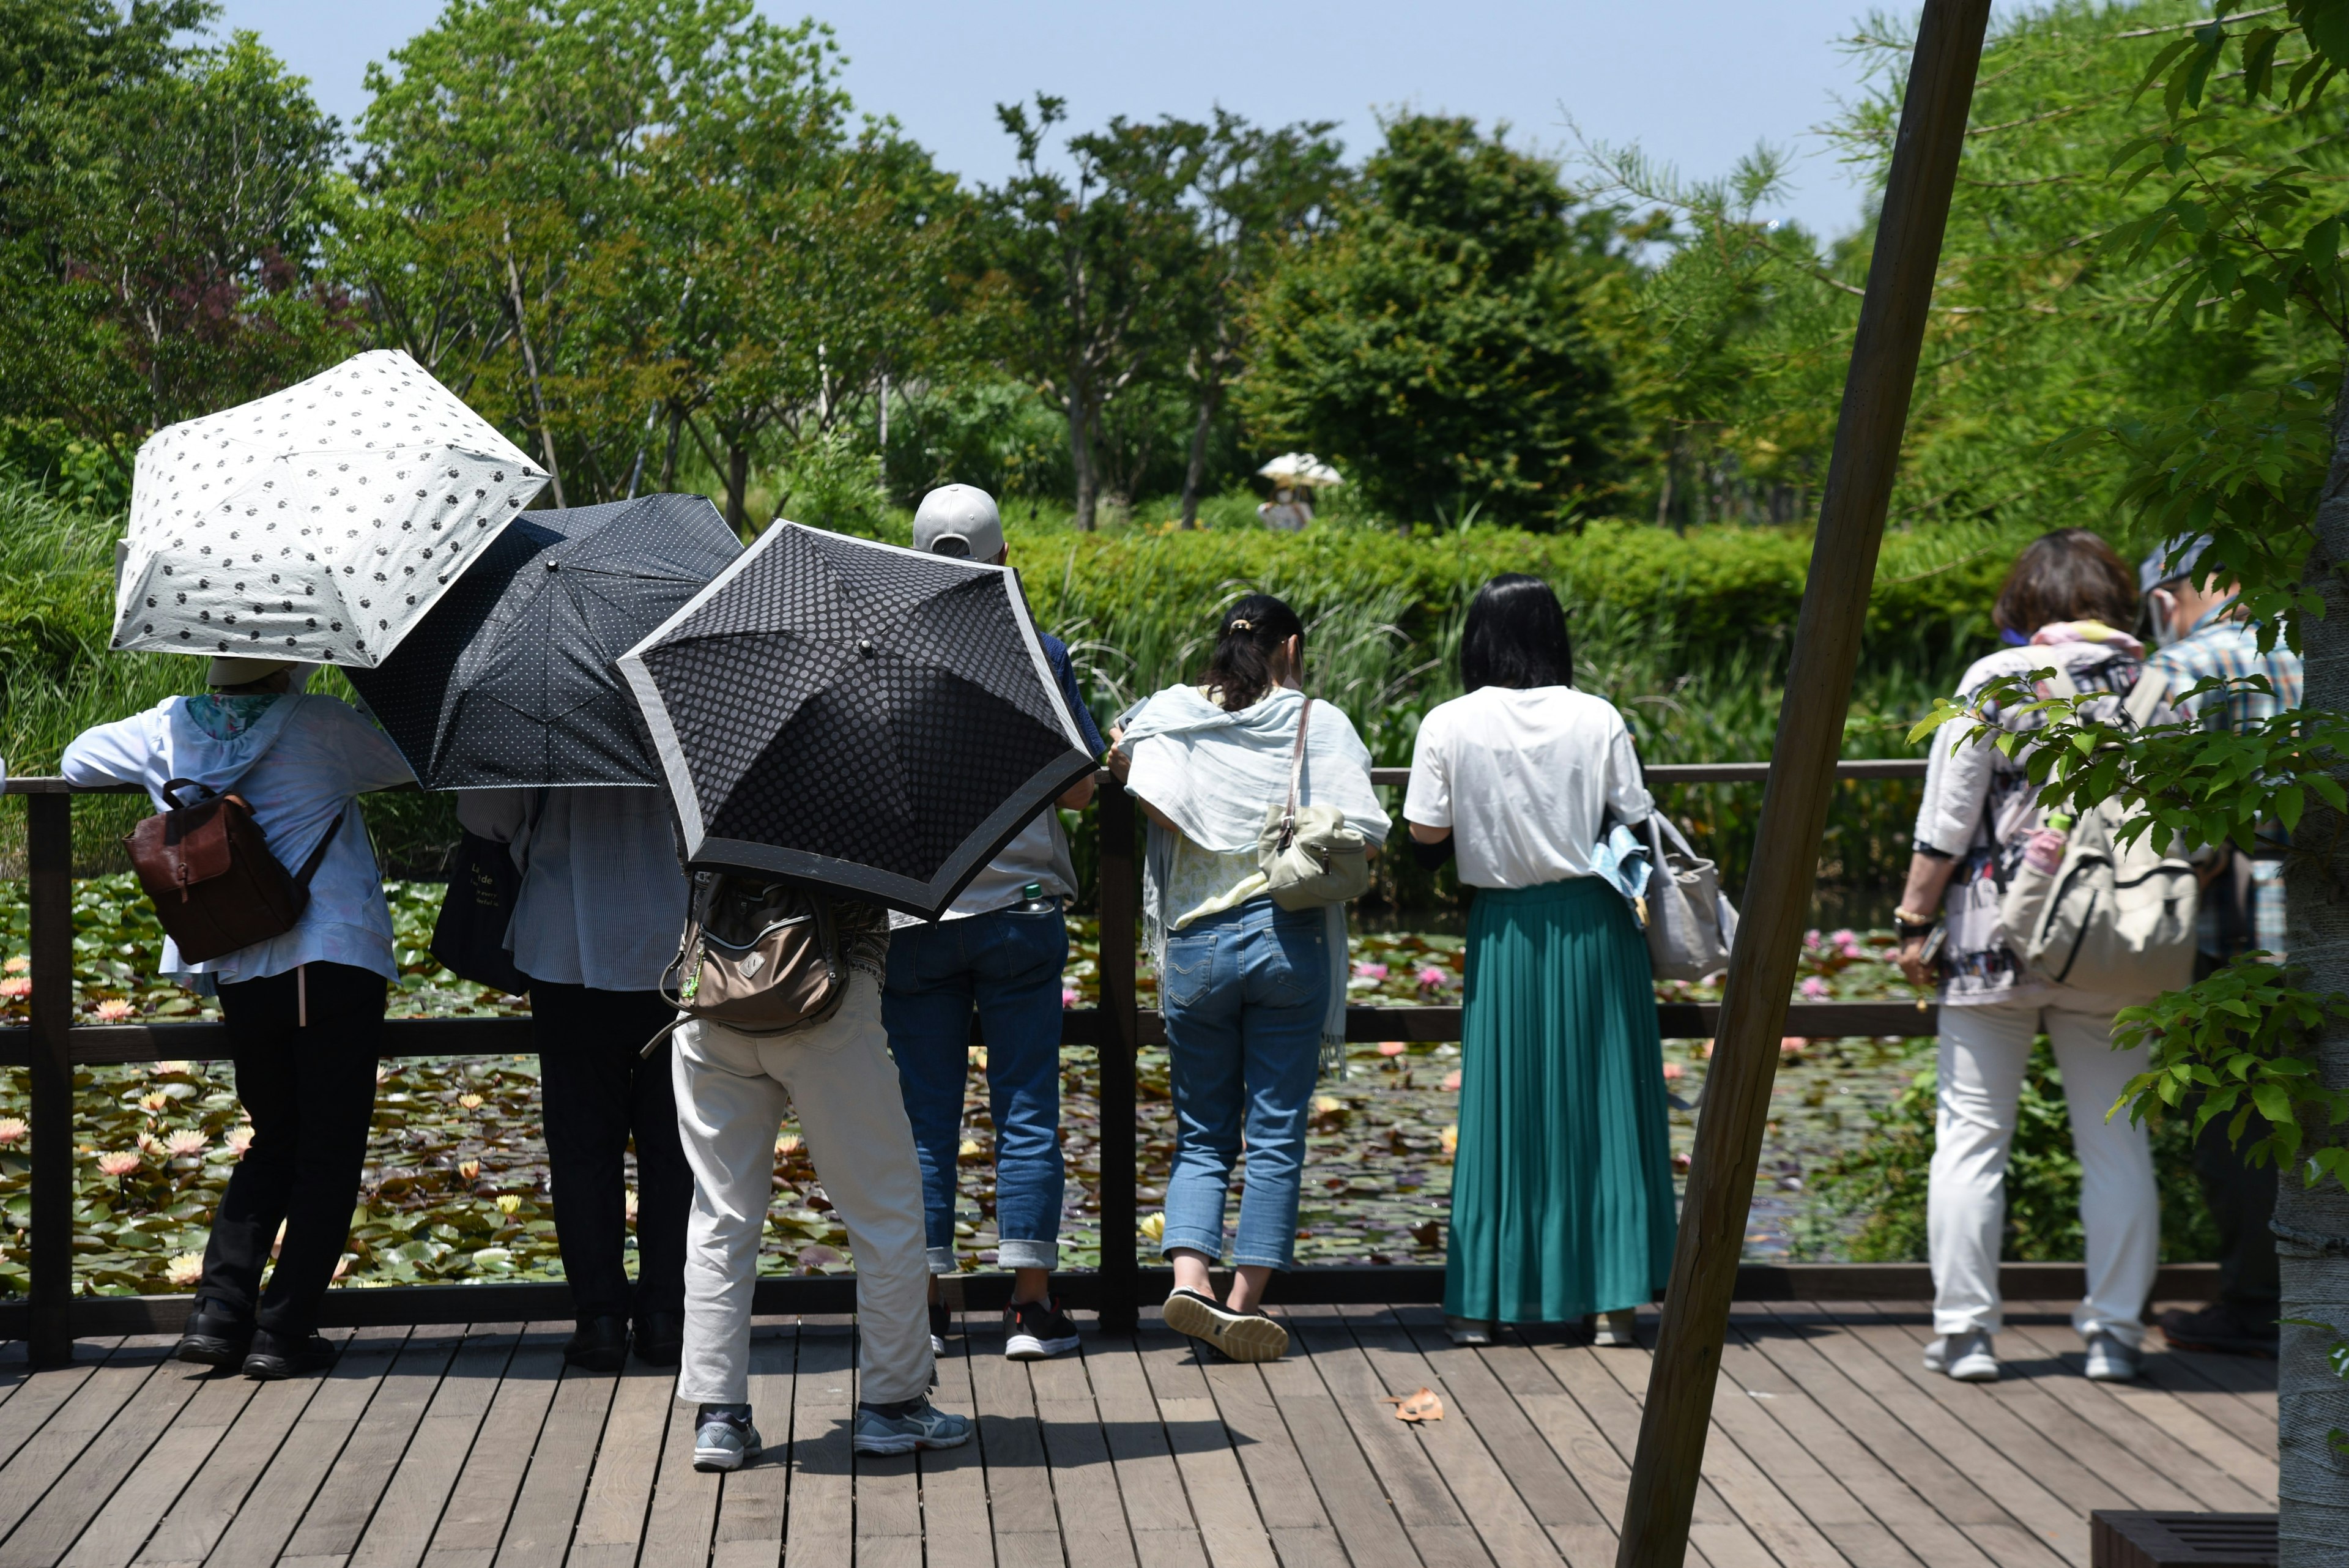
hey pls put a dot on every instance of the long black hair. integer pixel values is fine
(1515, 637)
(1240, 671)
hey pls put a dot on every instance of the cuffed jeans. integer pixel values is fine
(1985, 1050)
(1243, 994)
(1006, 966)
(310, 1091)
(731, 1093)
(598, 1090)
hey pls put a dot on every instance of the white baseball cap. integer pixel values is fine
(960, 520)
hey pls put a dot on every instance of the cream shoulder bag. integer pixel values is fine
(1309, 857)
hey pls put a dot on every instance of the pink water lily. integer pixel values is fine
(1433, 977)
(1391, 1048)
(185, 1142)
(118, 1163)
(114, 1010)
(240, 1138)
(1071, 996)
(12, 1131)
(15, 987)
(1370, 970)
(1815, 986)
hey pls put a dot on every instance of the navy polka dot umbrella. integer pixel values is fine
(510, 680)
(874, 720)
(317, 523)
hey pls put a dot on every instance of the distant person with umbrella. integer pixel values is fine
(997, 952)
(1295, 476)
(304, 1010)
(506, 693)
(872, 725)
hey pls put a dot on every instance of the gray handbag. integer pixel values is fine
(1309, 857)
(1690, 921)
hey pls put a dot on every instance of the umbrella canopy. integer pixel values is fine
(319, 523)
(870, 719)
(510, 680)
(1299, 468)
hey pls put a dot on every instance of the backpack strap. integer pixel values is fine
(318, 856)
(1296, 770)
(2152, 686)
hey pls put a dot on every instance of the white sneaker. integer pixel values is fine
(2110, 1361)
(1617, 1330)
(1964, 1357)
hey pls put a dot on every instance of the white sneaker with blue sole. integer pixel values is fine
(925, 1426)
(724, 1443)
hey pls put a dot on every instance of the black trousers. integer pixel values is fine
(310, 1092)
(596, 1091)
(2241, 1197)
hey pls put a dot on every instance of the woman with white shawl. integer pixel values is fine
(1254, 996)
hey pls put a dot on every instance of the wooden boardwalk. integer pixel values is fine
(473, 1448)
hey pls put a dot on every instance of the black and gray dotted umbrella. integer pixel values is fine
(510, 680)
(866, 718)
(317, 523)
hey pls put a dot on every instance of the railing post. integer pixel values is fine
(48, 857)
(1120, 901)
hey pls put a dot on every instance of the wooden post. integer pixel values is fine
(1679, 1407)
(1120, 904)
(48, 861)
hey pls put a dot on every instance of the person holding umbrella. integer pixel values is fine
(304, 1010)
(997, 952)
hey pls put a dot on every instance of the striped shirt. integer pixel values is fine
(2228, 649)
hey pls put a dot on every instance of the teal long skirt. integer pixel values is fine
(1562, 1187)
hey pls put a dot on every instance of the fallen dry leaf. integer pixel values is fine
(1423, 1406)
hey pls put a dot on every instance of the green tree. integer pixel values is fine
(1435, 345)
(161, 210)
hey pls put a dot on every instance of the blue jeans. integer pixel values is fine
(1007, 967)
(1243, 996)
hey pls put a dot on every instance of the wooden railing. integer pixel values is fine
(53, 1045)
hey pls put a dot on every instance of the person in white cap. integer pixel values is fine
(997, 952)
(304, 1010)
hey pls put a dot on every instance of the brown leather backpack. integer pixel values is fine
(215, 884)
(758, 957)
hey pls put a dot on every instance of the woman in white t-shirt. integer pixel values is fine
(1562, 1201)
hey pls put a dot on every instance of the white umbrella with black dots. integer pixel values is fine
(317, 523)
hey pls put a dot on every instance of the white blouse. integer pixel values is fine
(1525, 780)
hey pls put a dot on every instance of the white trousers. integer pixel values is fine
(732, 1091)
(1985, 1050)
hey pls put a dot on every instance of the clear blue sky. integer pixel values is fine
(1696, 82)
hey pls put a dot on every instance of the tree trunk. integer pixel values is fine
(1197, 470)
(738, 486)
(668, 458)
(1081, 456)
(2312, 1224)
(530, 365)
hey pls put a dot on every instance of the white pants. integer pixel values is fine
(731, 1093)
(1985, 1050)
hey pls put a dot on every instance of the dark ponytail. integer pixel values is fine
(1240, 673)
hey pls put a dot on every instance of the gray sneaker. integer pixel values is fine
(1966, 1357)
(724, 1441)
(920, 1424)
(2110, 1361)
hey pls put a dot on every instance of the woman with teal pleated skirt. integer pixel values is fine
(1562, 1202)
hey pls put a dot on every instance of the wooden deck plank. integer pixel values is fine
(2172, 1372)
(1020, 1490)
(1787, 1415)
(1231, 1532)
(1085, 1492)
(2177, 1419)
(109, 1457)
(75, 1422)
(820, 1526)
(322, 1489)
(209, 1504)
(546, 1510)
(429, 1471)
(684, 1511)
(473, 1519)
(1289, 1510)
(751, 1502)
(611, 1528)
(1714, 1528)
(888, 1490)
(1147, 1476)
(2047, 1395)
(1583, 1533)
(956, 1528)
(41, 1394)
(122, 1527)
(1880, 1445)
(1751, 1491)
(1370, 1527)
(1455, 1453)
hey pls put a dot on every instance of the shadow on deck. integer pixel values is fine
(475, 1447)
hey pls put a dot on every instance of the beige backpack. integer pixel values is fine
(2109, 919)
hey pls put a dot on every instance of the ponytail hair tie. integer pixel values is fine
(1241, 625)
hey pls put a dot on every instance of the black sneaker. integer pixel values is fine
(598, 1344)
(941, 1326)
(275, 1356)
(213, 1336)
(1033, 1330)
(1241, 1335)
(2221, 1328)
(660, 1338)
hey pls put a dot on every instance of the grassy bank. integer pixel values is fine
(1686, 633)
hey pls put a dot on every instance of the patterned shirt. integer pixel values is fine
(2220, 647)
